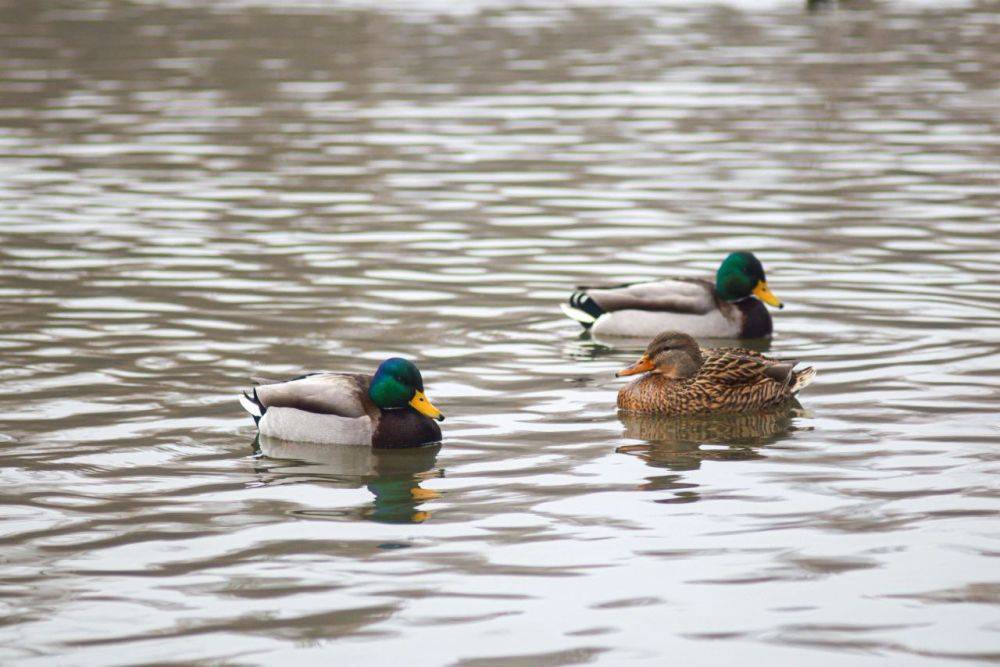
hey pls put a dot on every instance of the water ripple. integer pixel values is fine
(196, 195)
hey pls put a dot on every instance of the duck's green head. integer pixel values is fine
(741, 275)
(397, 384)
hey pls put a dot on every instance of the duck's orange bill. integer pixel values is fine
(644, 365)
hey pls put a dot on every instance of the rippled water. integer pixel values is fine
(194, 195)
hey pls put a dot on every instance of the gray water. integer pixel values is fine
(192, 195)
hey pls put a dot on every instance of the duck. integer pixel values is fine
(678, 377)
(387, 410)
(731, 307)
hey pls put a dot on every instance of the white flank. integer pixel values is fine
(646, 324)
(575, 314)
(302, 426)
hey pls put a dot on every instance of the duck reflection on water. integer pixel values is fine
(682, 443)
(393, 476)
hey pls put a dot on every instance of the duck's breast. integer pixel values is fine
(653, 393)
(756, 319)
(396, 429)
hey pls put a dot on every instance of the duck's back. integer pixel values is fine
(341, 394)
(669, 295)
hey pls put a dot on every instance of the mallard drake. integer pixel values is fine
(681, 378)
(729, 308)
(386, 410)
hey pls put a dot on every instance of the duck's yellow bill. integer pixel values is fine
(424, 494)
(420, 403)
(764, 293)
(644, 365)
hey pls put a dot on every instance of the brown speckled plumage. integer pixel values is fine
(686, 379)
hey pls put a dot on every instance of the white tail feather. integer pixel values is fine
(578, 315)
(250, 406)
(803, 379)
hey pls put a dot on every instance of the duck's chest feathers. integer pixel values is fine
(753, 318)
(401, 428)
(656, 393)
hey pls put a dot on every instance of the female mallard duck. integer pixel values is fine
(726, 309)
(386, 410)
(682, 378)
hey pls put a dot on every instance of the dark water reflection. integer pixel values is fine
(196, 193)
(392, 476)
(682, 443)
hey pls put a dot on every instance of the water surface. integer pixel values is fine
(191, 196)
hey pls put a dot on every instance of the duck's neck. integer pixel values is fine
(755, 320)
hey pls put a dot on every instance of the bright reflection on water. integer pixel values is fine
(194, 195)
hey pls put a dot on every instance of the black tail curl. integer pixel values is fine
(582, 301)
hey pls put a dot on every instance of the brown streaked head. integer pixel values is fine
(671, 354)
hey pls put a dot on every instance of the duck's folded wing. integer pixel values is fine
(707, 352)
(675, 296)
(739, 369)
(340, 394)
